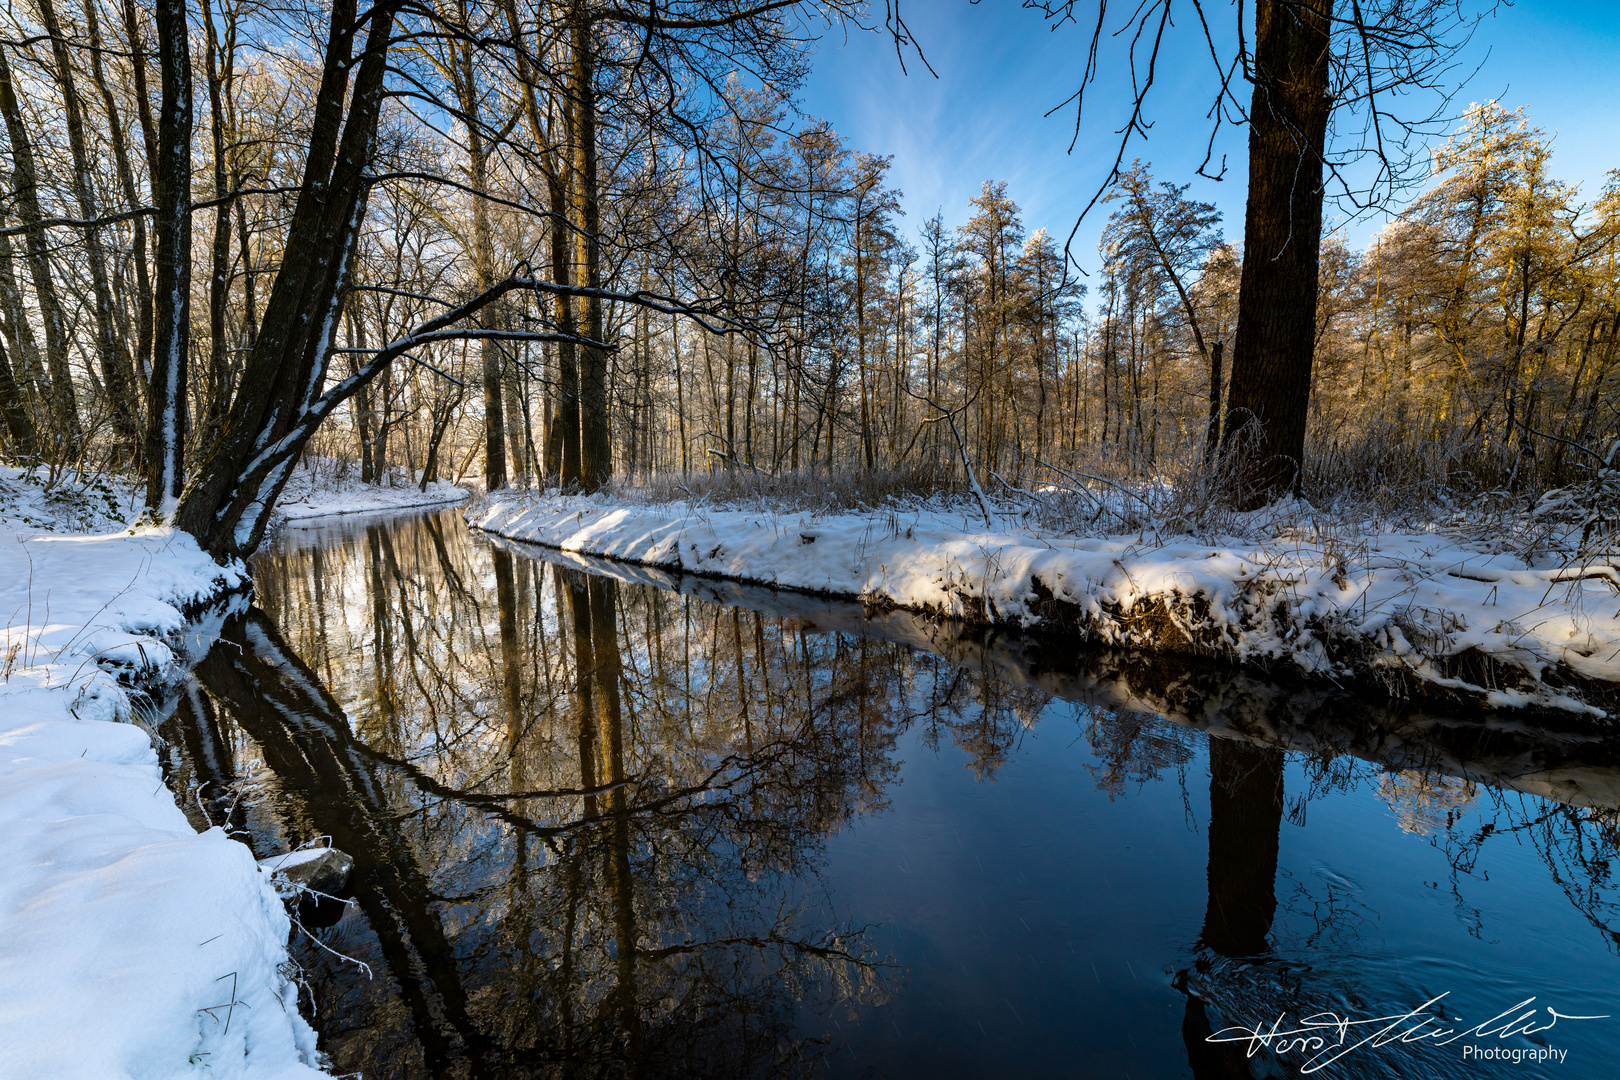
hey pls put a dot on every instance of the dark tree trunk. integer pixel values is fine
(565, 421)
(19, 426)
(171, 189)
(278, 401)
(1212, 438)
(1282, 234)
(595, 443)
(1245, 815)
(116, 377)
(25, 188)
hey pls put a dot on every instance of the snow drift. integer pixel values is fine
(130, 944)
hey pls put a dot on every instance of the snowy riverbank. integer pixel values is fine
(1421, 613)
(130, 944)
(320, 488)
(125, 935)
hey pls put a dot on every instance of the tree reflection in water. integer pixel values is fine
(588, 819)
(590, 809)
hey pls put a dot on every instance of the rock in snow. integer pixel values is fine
(318, 870)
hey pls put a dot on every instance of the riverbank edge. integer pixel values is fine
(1261, 619)
(124, 912)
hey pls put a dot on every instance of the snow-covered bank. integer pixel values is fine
(130, 944)
(321, 487)
(1420, 613)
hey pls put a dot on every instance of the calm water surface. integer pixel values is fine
(609, 823)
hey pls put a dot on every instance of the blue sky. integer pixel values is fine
(1000, 68)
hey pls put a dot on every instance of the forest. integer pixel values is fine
(531, 548)
(577, 245)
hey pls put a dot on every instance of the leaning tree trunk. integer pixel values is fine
(171, 226)
(278, 398)
(1282, 233)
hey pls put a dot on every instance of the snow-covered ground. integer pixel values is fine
(125, 935)
(130, 944)
(1419, 612)
(318, 487)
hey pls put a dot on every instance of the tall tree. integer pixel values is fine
(167, 414)
(1282, 235)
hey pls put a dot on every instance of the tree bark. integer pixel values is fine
(273, 411)
(19, 330)
(221, 60)
(141, 359)
(25, 185)
(115, 376)
(483, 264)
(1282, 234)
(171, 190)
(595, 442)
(19, 425)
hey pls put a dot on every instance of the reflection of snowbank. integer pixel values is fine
(1419, 613)
(130, 945)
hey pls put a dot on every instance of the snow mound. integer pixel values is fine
(130, 944)
(1420, 613)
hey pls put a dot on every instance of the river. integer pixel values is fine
(612, 823)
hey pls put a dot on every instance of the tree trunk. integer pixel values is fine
(19, 426)
(274, 410)
(220, 62)
(19, 330)
(595, 443)
(25, 185)
(141, 359)
(466, 83)
(115, 375)
(1282, 235)
(1212, 437)
(567, 416)
(171, 226)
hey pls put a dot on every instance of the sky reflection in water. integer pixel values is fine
(611, 824)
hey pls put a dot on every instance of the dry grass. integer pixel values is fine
(804, 490)
(1351, 490)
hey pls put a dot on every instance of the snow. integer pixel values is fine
(321, 487)
(1417, 611)
(130, 944)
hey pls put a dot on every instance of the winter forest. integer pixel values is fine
(569, 245)
(754, 538)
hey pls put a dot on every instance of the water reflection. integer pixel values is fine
(610, 823)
